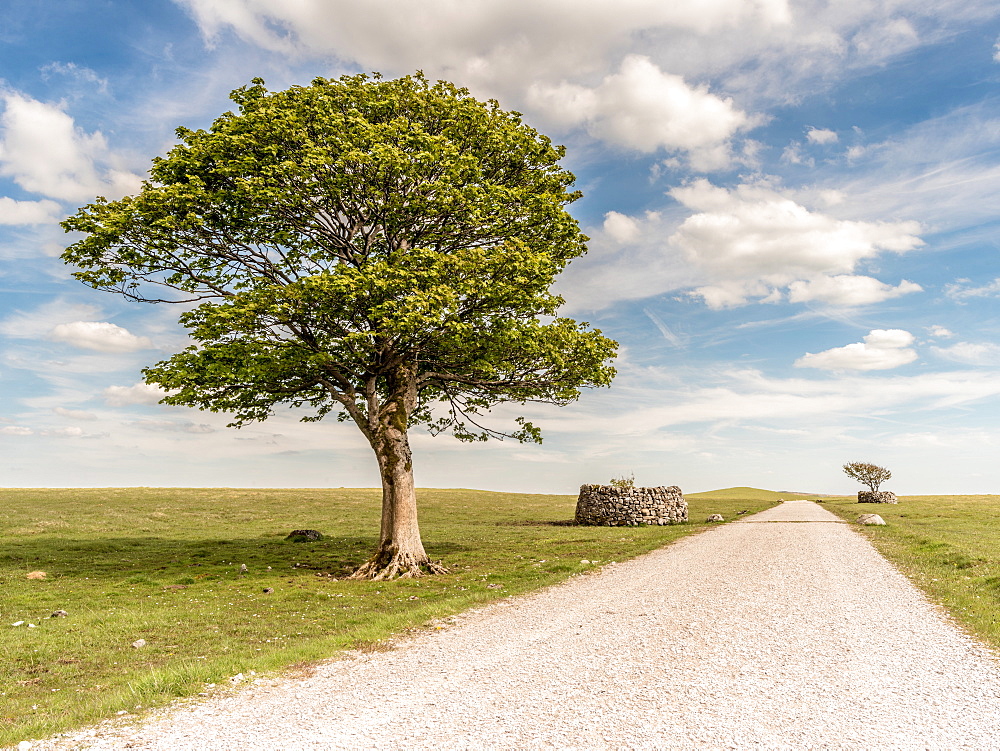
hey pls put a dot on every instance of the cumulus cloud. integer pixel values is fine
(16, 430)
(467, 36)
(69, 432)
(753, 241)
(44, 152)
(940, 332)
(621, 228)
(644, 108)
(28, 212)
(821, 136)
(100, 336)
(38, 323)
(628, 259)
(139, 393)
(882, 349)
(847, 290)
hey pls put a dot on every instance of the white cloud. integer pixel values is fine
(70, 432)
(996, 50)
(28, 212)
(644, 108)
(940, 332)
(466, 37)
(882, 349)
(847, 290)
(793, 155)
(38, 323)
(45, 152)
(821, 136)
(628, 259)
(970, 353)
(100, 336)
(880, 41)
(139, 393)
(752, 241)
(74, 414)
(79, 74)
(621, 228)
(16, 430)
(747, 397)
(961, 290)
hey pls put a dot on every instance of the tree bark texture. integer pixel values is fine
(400, 552)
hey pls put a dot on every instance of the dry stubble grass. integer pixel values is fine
(163, 565)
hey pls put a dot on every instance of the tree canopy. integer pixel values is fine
(867, 474)
(379, 249)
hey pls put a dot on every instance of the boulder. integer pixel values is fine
(305, 535)
(715, 518)
(870, 519)
(883, 496)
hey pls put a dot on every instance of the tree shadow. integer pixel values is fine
(161, 560)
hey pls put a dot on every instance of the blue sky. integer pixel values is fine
(792, 205)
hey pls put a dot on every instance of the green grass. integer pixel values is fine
(949, 546)
(163, 565)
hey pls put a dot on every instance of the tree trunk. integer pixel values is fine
(400, 552)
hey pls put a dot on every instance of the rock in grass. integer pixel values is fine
(305, 535)
(871, 519)
(268, 590)
(715, 518)
(59, 614)
(37, 575)
(138, 644)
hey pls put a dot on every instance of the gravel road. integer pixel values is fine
(783, 630)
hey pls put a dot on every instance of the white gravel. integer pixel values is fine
(784, 630)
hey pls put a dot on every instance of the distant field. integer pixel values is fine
(163, 565)
(949, 546)
(737, 494)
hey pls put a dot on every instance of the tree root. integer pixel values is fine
(386, 565)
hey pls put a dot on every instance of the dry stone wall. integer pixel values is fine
(608, 506)
(884, 496)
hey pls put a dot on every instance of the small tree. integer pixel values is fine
(379, 249)
(623, 482)
(867, 474)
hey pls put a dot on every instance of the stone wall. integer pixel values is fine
(884, 496)
(608, 506)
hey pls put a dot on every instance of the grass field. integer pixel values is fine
(949, 546)
(163, 565)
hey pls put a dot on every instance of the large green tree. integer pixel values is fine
(381, 249)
